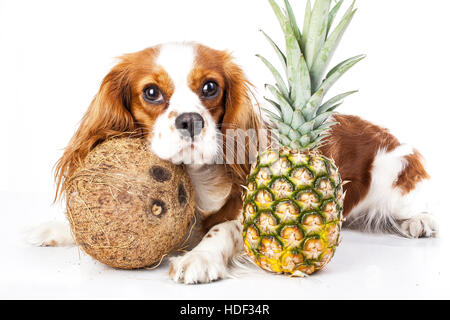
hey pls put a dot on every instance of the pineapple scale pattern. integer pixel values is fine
(292, 211)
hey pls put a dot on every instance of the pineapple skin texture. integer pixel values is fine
(292, 211)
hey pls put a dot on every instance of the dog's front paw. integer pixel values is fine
(49, 234)
(422, 225)
(197, 267)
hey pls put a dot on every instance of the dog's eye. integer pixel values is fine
(153, 95)
(210, 89)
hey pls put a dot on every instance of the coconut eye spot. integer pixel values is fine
(158, 207)
(160, 174)
(182, 194)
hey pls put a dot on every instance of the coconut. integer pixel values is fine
(127, 208)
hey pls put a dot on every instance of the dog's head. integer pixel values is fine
(183, 97)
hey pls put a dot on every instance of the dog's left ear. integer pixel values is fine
(240, 114)
(108, 115)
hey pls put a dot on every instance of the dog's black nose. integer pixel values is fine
(190, 124)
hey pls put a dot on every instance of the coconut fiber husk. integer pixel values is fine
(128, 208)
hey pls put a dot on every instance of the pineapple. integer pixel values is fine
(293, 202)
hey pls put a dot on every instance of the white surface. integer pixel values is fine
(54, 55)
(365, 266)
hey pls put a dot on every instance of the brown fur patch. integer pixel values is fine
(172, 114)
(413, 173)
(230, 211)
(232, 109)
(235, 242)
(209, 66)
(353, 145)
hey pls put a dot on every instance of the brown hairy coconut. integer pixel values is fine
(128, 208)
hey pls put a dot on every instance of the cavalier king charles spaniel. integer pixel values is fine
(184, 98)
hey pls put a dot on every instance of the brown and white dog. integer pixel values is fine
(183, 97)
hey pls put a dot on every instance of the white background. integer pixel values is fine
(54, 55)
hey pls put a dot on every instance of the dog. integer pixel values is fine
(183, 97)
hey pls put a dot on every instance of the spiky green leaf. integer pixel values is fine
(301, 84)
(335, 106)
(303, 121)
(317, 30)
(276, 105)
(320, 119)
(296, 71)
(307, 127)
(274, 120)
(278, 78)
(332, 15)
(271, 114)
(313, 105)
(306, 23)
(294, 135)
(293, 21)
(322, 129)
(332, 102)
(284, 140)
(297, 119)
(338, 71)
(273, 90)
(323, 58)
(354, 59)
(285, 107)
(319, 141)
(304, 141)
(283, 128)
(279, 53)
(279, 14)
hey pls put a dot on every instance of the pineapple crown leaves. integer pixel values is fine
(302, 118)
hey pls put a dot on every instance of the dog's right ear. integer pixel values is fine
(240, 116)
(108, 115)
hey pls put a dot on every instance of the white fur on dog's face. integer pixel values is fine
(166, 141)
